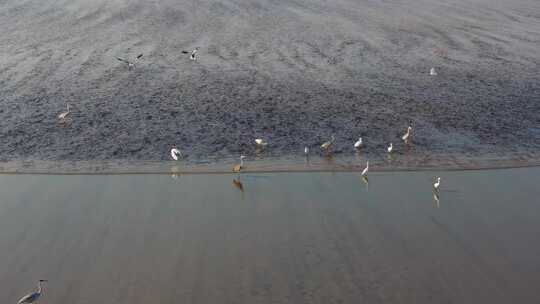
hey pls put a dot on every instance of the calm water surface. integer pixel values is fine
(282, 238)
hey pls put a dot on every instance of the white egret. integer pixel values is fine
(260, 142)
(62, 116)
(34, 296)
(306, 151)
(406, 137)
(390, 148)
(366, 170)
(437, 184)
(240, 166)
(358, 144)
(327, 145)
(176, 154)
(432, 72)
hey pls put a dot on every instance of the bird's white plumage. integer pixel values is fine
(358, 143)
(63, 115)
(328, 144)
(193, 55)
(437, 184)
(32, 297)
(432, 72)
(390, 148)
(407, 134)
(366, 170)
(306, 150)
(175, 153)
(260, 142)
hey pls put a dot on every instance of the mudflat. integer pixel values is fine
(291, 72)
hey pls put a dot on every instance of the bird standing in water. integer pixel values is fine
(34, 296)
(240, 166)
(390, 148)
(366, 170)
(437, 184)
(432, 72)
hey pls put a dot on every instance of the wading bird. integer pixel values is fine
(34, 296)
(240, 166)
(358, 143)
(366, 170)
(437, 184)
(390, 148)
(260, 142)
(407, 136)
(129, 63)
(306, 151)
(432, 72)
(327, 145)
(62, 116)
(176, 154)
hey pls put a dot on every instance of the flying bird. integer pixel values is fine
(366, 170)
(437, 184)
(390, 148)
(130, 63)
(358, 144)
(406, 137)
(193, 53)
(432, 72)
(176, 154)
(34, 296)
(62, 116)
(240, 166)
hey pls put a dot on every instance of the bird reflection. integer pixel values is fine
(175, 172)
(238, 184)
(437, 199)
(366, 181)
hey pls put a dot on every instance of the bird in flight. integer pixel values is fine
(193, 53)
(130, 63)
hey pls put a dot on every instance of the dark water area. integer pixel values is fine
(272, 238)
(293, 73)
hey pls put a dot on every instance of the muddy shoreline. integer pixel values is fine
(292, 73)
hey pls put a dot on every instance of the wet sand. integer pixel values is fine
(292, 72)
(286, 238)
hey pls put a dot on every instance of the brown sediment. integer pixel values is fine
(260, 164)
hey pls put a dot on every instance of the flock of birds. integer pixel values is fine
(176, 155)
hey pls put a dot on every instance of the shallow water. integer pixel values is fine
(281, 238)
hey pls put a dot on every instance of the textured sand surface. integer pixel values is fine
(292, 72)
